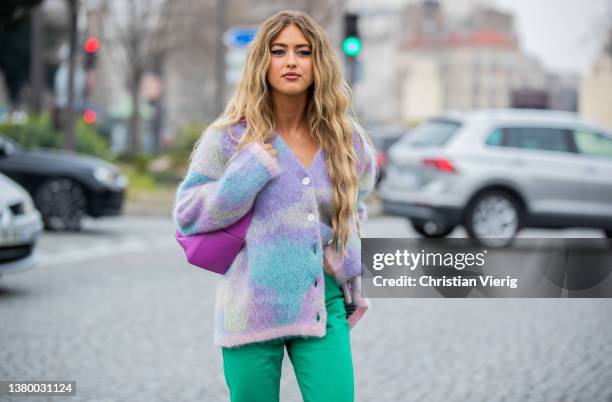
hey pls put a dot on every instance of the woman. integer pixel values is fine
(286, 146)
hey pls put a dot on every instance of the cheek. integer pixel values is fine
(274, 65)
(308, 70)
(273, 71)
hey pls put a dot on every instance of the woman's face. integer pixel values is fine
(290, 71)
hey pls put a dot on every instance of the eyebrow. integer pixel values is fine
(283, 45)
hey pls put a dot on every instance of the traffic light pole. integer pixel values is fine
(69, 122)
(350, 70)
(351, 46)
(220, 57)
(37, 64)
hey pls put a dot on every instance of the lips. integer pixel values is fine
(291, 75)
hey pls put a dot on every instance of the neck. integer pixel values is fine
(290, 113)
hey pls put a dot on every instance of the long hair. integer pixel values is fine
(327, 112)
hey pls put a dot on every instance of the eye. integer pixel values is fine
(278, 51)
(304, 52)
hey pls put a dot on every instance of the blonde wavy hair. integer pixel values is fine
(327, 112)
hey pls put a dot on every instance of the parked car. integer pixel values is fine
(497, 171)
(20, 227)
(64, 185)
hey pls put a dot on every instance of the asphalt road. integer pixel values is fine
(116, 309)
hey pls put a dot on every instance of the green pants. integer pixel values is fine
(323, 366)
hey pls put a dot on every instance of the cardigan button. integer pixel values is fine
(306, 181)
(311, 216)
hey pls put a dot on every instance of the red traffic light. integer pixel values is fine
(92, 45)
(89, 116)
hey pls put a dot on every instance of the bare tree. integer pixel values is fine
(608, 26)
(600, 27)
(142, 32)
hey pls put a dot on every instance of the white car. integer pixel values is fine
(497, 171)
(20, 227)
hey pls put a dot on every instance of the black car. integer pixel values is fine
(64, 185)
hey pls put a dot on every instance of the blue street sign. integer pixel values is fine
(239, 36)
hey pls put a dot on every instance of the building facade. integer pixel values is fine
(440, 56)
(596, 89)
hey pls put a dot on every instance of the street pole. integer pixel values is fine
(350, 73)
(220, 58)
(36, 66)
(69, 122)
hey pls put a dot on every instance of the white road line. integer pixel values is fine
(108, 249)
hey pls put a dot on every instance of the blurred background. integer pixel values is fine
(492, 119)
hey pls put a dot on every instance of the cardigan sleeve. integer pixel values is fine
(349, 266)
(216, 193)
(368, 172)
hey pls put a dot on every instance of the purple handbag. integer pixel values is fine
(215, 251)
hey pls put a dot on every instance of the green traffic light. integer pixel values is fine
(351, 46)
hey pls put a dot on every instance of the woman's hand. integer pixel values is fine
(271, 151)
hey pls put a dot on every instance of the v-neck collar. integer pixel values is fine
(314, 158)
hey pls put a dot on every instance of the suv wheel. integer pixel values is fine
(431, 229)
(61, 203)
(608, 233)
(493, 218)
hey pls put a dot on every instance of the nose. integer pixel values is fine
(291, 59)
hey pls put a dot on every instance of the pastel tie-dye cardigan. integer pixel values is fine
(274, 288)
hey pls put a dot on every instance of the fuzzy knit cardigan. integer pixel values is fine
(275, 286)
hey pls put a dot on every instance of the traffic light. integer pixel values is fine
(89, 116)
(351, 45)
(91, 47)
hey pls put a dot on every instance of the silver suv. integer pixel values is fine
(497, 171)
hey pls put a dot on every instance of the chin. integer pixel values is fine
(291, 91)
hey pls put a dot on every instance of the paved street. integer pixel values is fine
(116, 309)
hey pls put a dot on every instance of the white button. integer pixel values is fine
(306, 181)
(311, 217)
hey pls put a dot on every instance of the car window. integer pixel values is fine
(430, 133)
(387, 142)
(4, 145)
(540, 138)
(8, 144)
(593, 143)
(495, 138)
